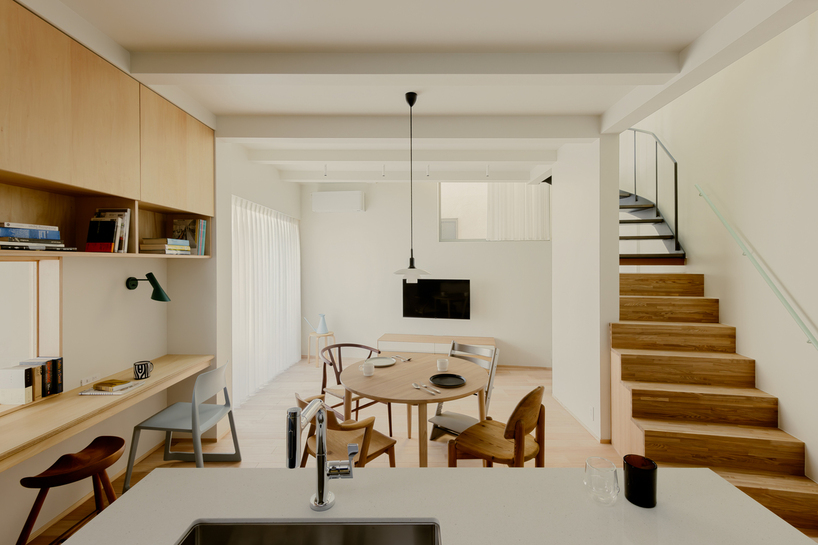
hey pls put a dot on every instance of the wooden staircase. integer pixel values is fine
(681, 396)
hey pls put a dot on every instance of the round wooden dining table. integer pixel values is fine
(393, 384)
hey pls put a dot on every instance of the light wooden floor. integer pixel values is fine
(260, 423)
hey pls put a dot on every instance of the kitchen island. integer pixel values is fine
(472, 506)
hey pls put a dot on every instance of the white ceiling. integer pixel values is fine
(306, 80)
(392, 26)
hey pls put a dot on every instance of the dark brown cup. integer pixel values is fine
(640, 480)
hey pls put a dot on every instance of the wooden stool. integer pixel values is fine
(92, 461)
(318, 337)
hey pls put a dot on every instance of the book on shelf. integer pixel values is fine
(93, 392)
(166, 252)
(36, 234)
(37, 248)
(26, 240)
(102, 234)
(182, 247)
(125, 228)
(16, 385)
(114, 385)
(15, 225)
(51, 373)
(192, 230)
(7, 243)
(170, 241)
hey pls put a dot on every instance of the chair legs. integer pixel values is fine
(198, 455)
(131, 458)
(452, 453)
(32, 516)
(389, 412)
(391, 454)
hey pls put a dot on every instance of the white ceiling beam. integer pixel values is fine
(392, 176)
(750, 25)
(283, 157)
(614, 68)
(341, 126)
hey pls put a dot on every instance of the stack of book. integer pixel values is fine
(31, 380)
(108, 231)
(170, 246)
(27, 236)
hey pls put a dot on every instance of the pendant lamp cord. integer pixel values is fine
(411, 194)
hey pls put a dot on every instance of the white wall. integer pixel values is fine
(106, 327)
(235, 175)
(585, 285)
(748, 135)
(348, 261)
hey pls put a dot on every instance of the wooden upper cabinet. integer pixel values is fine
(200, 167)
(35, 97)
(104, 126)
(177, 157)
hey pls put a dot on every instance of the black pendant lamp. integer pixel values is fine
(411, 274)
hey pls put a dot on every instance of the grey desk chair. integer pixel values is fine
(195, 418)
(455, 423)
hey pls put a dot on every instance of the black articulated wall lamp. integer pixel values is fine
(411, 273)
(158, 293)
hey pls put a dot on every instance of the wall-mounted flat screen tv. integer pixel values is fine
(447, 299)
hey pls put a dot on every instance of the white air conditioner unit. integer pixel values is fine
(338, 201)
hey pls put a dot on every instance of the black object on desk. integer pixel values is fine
(640, 480)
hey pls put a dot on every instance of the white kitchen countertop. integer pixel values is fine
(472, 505)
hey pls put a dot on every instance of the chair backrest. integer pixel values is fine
(209, 384)
(527, 411)
(481, 355)
(333, 416)
(333, 357)
(492, 370)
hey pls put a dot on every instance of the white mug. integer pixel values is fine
(442, 364)
(368, 367)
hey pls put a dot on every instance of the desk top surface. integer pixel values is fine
(37, 426)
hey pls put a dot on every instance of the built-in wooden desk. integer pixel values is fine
(38, 426)
(433, 344)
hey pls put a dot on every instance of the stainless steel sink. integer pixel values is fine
(366, 533)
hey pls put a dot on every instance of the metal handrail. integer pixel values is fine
(675, 229)
(746, 252)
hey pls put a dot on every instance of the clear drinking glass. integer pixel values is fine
(601, 480)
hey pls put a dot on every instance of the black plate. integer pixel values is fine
(447, 380)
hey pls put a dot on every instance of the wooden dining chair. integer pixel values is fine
(333, 358)
(452, 423)
(371, 443)
(510, 443)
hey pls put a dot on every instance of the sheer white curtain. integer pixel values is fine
(266, 296)
(519, 211)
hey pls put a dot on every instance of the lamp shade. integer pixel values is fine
(158, 293)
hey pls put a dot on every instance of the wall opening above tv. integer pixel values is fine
(436, 298)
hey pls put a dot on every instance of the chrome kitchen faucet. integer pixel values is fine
(297, 420)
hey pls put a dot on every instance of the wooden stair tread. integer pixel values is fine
(680, 298)
(696, 389)
(680, 354)
(769, 481)
(715, 325)
(661, 284)
(747, 478)
(652, 236)
(723, 430)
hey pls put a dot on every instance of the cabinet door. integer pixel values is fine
(200, 167)
(164, 151)
(35, 97)
(104, 126)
